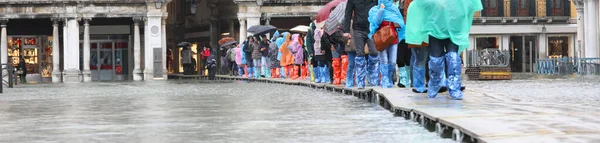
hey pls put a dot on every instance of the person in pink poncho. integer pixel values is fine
(238, 59)
(298, 52)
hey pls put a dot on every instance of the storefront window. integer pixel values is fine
(558, 47)
(46, 61)
(194, 56)
(487, 42)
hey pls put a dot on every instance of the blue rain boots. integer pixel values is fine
(257, 72)
(386, 77)
(250, 72)
(350, 76)
(324, 73)
(361, 72)
(317, 71)
(373, 70)
(436, 73)
(419, 79)
(454, 80)
(404, 73)
(267, 71)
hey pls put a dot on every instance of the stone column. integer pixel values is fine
(592, 36)
(253, 21)
(87, 74)
(137, 72)
(71, 68)
(152, 41)
(243, 29)
(232, 29)
(56, 74)
(4, 42)
(580, 26)
(164, 47)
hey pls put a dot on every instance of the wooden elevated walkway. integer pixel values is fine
(480, 117)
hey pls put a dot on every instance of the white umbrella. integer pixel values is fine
(300, 28)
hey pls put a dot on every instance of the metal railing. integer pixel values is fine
(8, 76)
(567, 66)
(488, 58)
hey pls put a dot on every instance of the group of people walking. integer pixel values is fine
(380, 42)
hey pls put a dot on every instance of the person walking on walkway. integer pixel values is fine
(239, 60)
(360, 24)
(247, 48)
(387, 15)
(264, 59)
(256, 57)
(186, 60)
(273, 53)
(445, 26)
(298, 52)
(287, 59)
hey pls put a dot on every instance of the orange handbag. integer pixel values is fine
(384, 37)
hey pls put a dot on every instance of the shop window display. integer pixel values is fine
(37, 53)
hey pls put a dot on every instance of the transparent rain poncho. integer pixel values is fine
(441, 19)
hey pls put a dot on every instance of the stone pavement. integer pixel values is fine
(481, 116)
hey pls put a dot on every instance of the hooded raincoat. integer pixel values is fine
(390, 13)
(441, 19)
(238, 55)
(286, 55)
(297, 49)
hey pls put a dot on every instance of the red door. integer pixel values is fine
(491, 8)
(522, 8)
(557, 7)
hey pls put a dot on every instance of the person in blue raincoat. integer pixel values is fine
(386, 13)
(445, 26)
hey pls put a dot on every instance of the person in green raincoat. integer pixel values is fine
(445, 26)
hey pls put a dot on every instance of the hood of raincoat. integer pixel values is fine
(275, 36)
(442, 20)
(391, 13)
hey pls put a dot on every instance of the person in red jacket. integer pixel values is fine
(205, 53)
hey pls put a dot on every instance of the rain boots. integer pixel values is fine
(361, 72)
(337, 78)
(317, 71)
(241, 71)
(404, 73)
(454, 80)
(311, 70)
(344, 67)
(250, 72)
(373, 70)
(257, 72)
(267, 71)
(282, 72)
(350, 76)
(304, 71)
(273, 73)
(436, 73)
(325, 78)
(294, 74)
(277, 73)
(386, 77)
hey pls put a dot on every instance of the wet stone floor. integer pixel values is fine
(195, 111)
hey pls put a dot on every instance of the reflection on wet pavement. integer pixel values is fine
(194, 111)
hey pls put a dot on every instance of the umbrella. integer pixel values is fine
(300, 28)
(335, 18)
(326, 10)
(261, 29)
(226, 39)
(228, 43)
(184, 44)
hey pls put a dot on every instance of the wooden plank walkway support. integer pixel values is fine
(480, 117)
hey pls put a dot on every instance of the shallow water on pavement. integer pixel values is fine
(194, 111)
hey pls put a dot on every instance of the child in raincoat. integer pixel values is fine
(386, 14)
(273, 54)
(298, 52)
(239, 59)
(287, 59)
(445, 27)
